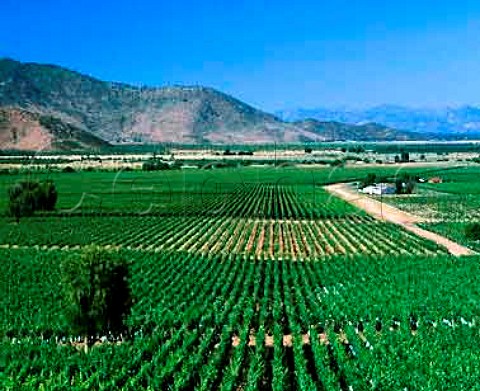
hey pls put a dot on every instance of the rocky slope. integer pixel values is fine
(24, 130)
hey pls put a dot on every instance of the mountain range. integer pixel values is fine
(52, 108)
(448, 122)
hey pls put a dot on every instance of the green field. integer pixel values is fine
(238, 279)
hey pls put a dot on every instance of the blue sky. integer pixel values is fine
(271, 54)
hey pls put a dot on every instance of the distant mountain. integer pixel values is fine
(49, 107)
(450, 122)
(336, 131)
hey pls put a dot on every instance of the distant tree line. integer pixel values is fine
(155, 165)
(476, 159)
(228, 152)
(353, 149)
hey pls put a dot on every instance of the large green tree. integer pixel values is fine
(370, 179)
(21, 200)
(25, 197)
(405, 183)
(96, 293)
(472, 231)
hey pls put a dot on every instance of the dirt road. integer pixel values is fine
(394, 215)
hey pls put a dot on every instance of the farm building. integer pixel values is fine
(379, 189)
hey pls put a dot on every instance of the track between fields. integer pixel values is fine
(394, 215)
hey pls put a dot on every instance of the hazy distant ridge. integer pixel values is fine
(448, 121)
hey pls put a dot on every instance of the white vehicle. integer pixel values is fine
(379, 189)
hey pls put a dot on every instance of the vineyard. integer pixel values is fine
(220, 322)
(435, 207)
(447, 208)
(295, 239)
(454, 230)
(251, 281)
(455, 200)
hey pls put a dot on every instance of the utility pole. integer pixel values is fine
(275, 153)
(381, 200)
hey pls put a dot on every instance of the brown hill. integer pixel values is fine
(23, 130)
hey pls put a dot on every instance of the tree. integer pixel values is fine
(406, 183)
(410, 185)
(398, 186)
(96, 293)
(405, 157)
(472, 231)
(46, 195)
(26, 197)
(369, 180)
(21, 201)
